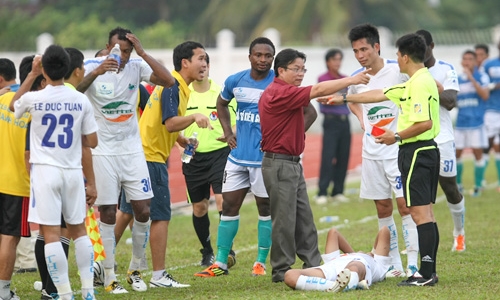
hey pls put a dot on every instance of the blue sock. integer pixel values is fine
(228, 227)
(264, 236)
(460, 170)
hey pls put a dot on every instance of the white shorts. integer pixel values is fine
(376, 266)
(54, 191)
(238, 177)
(492, 124)
(379, 179)
(471, 138)
(448, 159)
(114, 172)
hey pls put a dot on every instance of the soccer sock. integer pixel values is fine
(353, 281)
(228, 228)
(458, 216)
(497, 163)
(330, 256)
(309, 283)
(478, 173)
(460, 170)
(4, 289)
(140, 237)
(108, 241)
(264, 238)
(40, 261)
(57, 265)
(158, 274)
(410, 236)
(84, 253)
(427, 246)
(202, 228)
(394, 249)
(436, 247)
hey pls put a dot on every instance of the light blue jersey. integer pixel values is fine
(247, 92)
(492, 68)
(471, 107)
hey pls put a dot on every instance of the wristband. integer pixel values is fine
(344, 98)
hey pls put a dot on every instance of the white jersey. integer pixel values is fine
(382, 114)
(445, 74)
(60, 116)
(114, 98)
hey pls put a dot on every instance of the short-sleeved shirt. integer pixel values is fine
(381, 114)
(247, 92)
(114, 98)
(164, 103)
(418, 101)
(492, 68)
(471, 107)
(206, 104)
(445, 74)
(60, 115)
(14, 178)
(281, 109)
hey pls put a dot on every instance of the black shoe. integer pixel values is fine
(435, 277)
(418, 280)
(231, 259)
(26, 270)
(207, 258)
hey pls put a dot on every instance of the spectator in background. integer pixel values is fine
(470, 131)
(336, 137)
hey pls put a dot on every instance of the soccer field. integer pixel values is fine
(473, 274)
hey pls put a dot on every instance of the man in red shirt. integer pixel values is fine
(285, 115)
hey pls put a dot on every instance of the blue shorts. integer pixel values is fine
(160, 203)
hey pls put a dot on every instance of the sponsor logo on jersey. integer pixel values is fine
(112, 112)
(380, 116)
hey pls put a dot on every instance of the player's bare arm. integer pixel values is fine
(310, 115)
(178, 123)
(388, 137)
(357, 110)
(109, 64)
(161, 76)
(225, 121)
(36, 70)
(88, 172)
(448, 99)
(329, 87)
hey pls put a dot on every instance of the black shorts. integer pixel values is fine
(418, 163)
(205, 170)
(14, 215)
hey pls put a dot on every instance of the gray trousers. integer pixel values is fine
(293, 230)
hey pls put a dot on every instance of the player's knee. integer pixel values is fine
(291, 277)
(200, 208)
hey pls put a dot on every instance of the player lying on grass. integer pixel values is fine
(351, 270)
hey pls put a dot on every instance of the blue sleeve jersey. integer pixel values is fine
(492, 68)
(247, 92)
(471, 107)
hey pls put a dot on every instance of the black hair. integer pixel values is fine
(286, 57)
(99, 53)
(413, 45)
(7, 69)
(484, 47)
(366, 31)
(207, 58)
(426, 35)
(121, 32)
(184, 51)
(332, 53)
(261, 40)
(55, 62)
(75, 61)
(471, 52)
(25, 68)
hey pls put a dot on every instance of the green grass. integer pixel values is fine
(473, 274)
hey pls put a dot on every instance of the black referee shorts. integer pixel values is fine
(418, 163)
(204, 171)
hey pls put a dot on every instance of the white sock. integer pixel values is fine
(4, 289)
(394, 249)
(309, 283)
(353, 281)
(84, 253)
(458, 216)
(330, 256)
(158, 274)
(57, 266)
(410, 235)
(140, 237)
(108, 241)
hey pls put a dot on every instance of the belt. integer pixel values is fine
(337, 117)
(282, 156)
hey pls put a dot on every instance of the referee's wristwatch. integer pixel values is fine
(397, 137)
